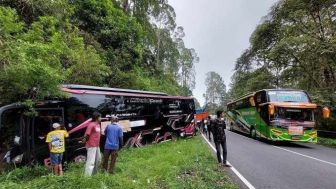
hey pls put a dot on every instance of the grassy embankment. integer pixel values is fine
(178, 164)
(327, 142)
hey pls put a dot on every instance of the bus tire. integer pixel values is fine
(231, 127)
(174, 136)
(79, 157)
(253, 133)
(128, 143)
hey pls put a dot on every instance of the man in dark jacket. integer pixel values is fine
(218, 132)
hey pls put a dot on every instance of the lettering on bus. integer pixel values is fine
(175, 105)
(248, 113)
(175, 111)
(145, 101)
(125, 114)
(288, 96)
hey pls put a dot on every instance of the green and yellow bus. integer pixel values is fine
(275, 114)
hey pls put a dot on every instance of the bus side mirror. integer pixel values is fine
(252, 103)
(271, 109)
(326, 113)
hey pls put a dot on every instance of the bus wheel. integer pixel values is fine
(129, 143)
(79, 158)
(174, 136)
(231, 127)
(253, 133)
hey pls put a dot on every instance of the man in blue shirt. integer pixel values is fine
(114, 142)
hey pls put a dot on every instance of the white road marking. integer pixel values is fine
(320, 160)
(241, 177)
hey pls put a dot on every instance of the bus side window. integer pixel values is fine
(43, 123)
(264, 113)
(77, 115)
(260, 98)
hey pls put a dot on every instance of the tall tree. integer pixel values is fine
(215, 95)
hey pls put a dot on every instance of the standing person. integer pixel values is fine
(92, 140)
(205, 123)
(202, 126)
(55, 140)
(218, 131)
(113, 143)
(209, 127)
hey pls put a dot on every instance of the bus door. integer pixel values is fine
(41, 125)
(12, 139)
(262, 113)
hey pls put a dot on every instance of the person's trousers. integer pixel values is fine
(107, 154)
(220, 144)
(93, 160)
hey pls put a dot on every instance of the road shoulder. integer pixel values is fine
(229, 171)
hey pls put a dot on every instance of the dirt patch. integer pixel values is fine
(188, 174)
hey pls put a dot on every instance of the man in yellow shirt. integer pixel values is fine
(55, 140)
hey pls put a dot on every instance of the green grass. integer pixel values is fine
(327, 142)
(186, 163)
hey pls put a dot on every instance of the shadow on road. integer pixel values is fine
(286, 144)
(277, 143)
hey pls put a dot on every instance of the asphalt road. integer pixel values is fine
(282, 165)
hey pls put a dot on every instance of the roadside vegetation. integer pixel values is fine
(327, 142)
(177, 164)
(113, 43)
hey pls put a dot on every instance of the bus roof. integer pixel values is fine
(279, 90)
(242, 97)
(253, 93)
(83, 89)
(94, 88)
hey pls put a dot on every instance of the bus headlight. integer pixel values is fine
(313, 134)
(277, 132)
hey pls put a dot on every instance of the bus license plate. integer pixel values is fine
(297, 130)
(296, 137)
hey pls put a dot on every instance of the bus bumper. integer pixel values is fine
(282, 135)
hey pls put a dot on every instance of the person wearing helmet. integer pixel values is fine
(56, 144)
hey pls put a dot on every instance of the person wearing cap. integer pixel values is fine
(55, 140)
(113, 143)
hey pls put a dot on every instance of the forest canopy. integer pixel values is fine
(114, 43)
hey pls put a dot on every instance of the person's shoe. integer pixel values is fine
(226, 165)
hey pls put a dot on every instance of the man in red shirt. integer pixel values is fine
(92, 139)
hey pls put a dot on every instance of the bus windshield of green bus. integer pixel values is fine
(288, 96)
(294, 114)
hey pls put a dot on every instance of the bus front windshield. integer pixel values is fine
(294, 114)
(287, 96)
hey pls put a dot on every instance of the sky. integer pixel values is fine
(219, 31)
